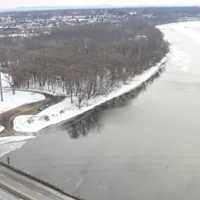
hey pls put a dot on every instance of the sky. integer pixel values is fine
(7, 4)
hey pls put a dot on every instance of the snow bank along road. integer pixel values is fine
(12, 102)
(24, 187)
(20, 98)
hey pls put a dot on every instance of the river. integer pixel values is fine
(148, 149)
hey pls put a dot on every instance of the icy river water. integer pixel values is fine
(148, 149)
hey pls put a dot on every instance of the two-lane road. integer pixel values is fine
(14, 185)
(4, 195)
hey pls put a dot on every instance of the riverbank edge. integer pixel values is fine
(133, 84)
(34, 108)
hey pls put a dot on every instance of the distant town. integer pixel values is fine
(31, 24)
(34, 23)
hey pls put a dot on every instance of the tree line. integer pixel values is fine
(83, 61)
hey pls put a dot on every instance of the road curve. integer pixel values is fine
(7, 118)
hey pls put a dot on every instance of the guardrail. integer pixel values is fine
(49, 185)
(14, 192)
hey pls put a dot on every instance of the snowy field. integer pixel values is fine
(20, 98)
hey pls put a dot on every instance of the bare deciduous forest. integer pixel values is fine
(83, 61)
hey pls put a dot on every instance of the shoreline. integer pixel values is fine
(21, 124)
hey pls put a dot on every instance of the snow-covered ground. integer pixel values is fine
(1, 128)
(11, 101)
(8, 144)
(20, 98)
(5, 80)
(65, 110)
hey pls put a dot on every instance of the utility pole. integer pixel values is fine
(1, 89)
(8, 160)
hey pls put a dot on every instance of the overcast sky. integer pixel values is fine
(4, 4)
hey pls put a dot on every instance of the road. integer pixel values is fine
(7, 118)
(19, 186)
(7, 196)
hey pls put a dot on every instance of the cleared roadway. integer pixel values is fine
(22, 187)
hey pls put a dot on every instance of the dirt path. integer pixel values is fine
(7, 118)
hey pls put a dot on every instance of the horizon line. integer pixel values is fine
(104, 6)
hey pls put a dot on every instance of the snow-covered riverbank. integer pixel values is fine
(65, 110)
(8, 144)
